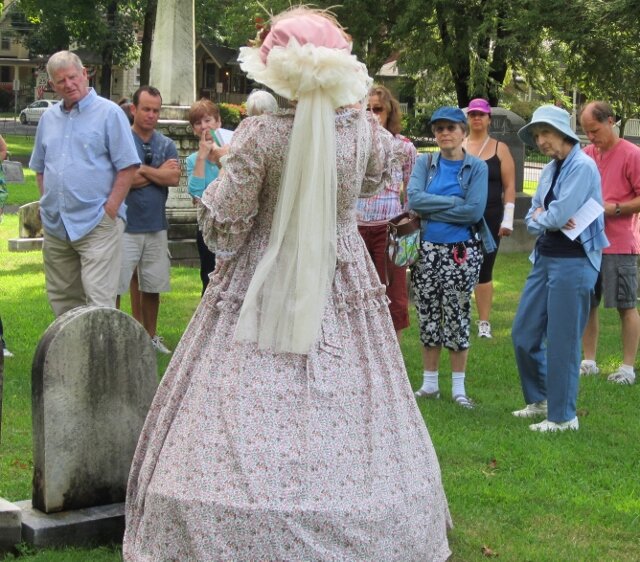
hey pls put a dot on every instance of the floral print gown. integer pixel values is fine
(252, 455)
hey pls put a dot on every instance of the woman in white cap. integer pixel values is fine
(449, 190)
(284, 427)
(554, 305)
(501, 199)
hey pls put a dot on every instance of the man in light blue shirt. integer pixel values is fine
(85, 159)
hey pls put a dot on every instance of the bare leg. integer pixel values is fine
(150, 306)
(484, 299)
(590, 335)
(630, 334)
(136, 298)
(459, 360)
(431, 358)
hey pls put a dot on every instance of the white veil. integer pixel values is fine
(283, 308)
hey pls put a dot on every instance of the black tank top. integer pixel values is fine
(494, 197)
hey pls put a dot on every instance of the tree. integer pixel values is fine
(106, 27)
(602, 49)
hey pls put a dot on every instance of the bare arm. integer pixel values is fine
(3, 149)
(165, 175)
(119, 191)
(40, 182)
(626, 208)
(507, 173)
(508, 180)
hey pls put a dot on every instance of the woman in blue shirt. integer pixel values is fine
(555, 301)
(448, 189)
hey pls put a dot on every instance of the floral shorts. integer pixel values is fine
(442, 284)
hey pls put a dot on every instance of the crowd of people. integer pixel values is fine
(285, 426)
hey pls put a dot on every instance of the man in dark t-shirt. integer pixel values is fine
(145, 252)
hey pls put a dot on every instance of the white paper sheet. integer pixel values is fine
(589, 212)
(224, 135)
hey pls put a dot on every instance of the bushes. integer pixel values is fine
(231, 114)
(6, 101)
(416, 126)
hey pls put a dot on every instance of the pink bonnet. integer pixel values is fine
(306, 28)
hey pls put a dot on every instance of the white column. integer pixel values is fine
(173, 60)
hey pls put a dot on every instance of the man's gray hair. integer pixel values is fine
(63, 59)
(260, 102)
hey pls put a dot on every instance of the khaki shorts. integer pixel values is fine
(149, 252)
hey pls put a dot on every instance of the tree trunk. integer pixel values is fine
(107, 53)
(147, 41)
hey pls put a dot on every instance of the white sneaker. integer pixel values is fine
(159, 346)
(484, 329)
(532, 410)
(622, 377)
(588, 368)
(546, 426)
(6, 352)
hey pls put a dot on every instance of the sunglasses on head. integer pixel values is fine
(148, 153)
(376, 109)
(442, 128)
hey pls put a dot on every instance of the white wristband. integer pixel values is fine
(507, 218)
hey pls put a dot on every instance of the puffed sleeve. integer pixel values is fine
(230, 203)
(381, 160)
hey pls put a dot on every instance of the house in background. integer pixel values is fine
(218, 74)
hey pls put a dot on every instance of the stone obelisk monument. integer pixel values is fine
(173, 55)
(173, 72)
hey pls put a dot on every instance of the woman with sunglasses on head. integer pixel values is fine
(448, 189)
(500, 199)
(374, 212)
(556, 299)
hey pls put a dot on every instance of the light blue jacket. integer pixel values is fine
(467, 210)
(578, 181)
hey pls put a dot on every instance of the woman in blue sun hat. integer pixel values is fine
(554, 305)
(448, 189)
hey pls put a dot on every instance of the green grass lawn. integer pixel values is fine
(526, 496)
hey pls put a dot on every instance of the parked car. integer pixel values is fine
(32, 113)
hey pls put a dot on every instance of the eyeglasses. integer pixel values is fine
(376, 110)
(148, 153)
(441, 128)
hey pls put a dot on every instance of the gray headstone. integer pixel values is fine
(505, 125)
(93, 379)
(29, 221)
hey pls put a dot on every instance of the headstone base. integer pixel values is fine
(91, 526)
(25, 244)
(519, 241)
(10, 526)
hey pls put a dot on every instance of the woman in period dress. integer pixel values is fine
(284, 427)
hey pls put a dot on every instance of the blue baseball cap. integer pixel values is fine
(445, 113)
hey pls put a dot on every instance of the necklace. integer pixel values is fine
(484, 145)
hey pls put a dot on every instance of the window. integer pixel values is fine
(5, 74)
(5, 43)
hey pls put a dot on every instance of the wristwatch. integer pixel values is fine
(618, 210)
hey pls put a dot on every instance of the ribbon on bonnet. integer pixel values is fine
(306, 58)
